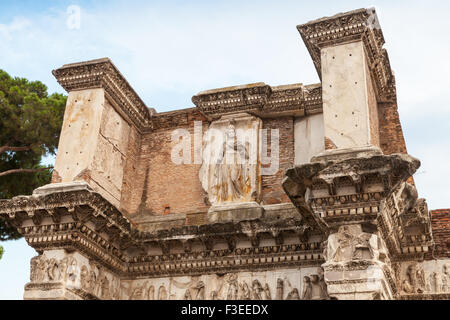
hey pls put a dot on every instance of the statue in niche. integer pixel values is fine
(231, 172)
(307, 288)
(280, 289)
(257, 290)
(230, 160)
(162, 293)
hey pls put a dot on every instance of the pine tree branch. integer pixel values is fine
(7, 172)
(14, 149)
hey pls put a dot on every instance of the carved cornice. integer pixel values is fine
(102, 73)
(358, 25)
(261, 99)
(369, 190)
(77, 218)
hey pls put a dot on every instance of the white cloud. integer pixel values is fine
(18, 24)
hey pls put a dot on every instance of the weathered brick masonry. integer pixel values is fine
(440, 222)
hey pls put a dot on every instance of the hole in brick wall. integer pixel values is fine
(166, 209)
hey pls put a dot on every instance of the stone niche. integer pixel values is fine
(230, 171)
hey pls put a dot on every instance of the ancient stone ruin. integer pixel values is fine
(317, 202)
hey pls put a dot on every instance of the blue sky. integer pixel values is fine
(171, 50)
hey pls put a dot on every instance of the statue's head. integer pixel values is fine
(231, 130)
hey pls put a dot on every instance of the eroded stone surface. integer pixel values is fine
(122, 221)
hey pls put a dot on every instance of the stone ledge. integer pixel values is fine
(234, 212)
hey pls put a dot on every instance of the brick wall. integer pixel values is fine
(272, 192)
(153, 184)
(133, 175)
(440, 223)
(391, 133)
(165, 186)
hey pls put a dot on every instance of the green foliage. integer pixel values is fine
(30, 123)
(1, 252)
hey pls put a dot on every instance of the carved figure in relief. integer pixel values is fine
(445, 278)
(307, 288)
(104, 287)
(138, 292)
(280, 289)
(434, 281)
(187, 295)
(200, 290)
(293, 295)
(233, 288)
(350, 243)
(34, 269)
(232, 179)
(245, 291)
(115, 288)
(257, 290)
(41, 267)
(214, 295)
(267, 295)
(229, 172)
(72, 269)
(151, 293)
(93, 279)
(85, 278)
(420, 276)
(64, 264)
(162, 293)
(415, 279)
(52, 270)
(322, 284)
